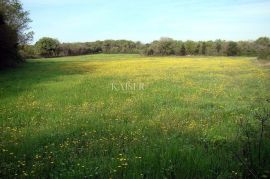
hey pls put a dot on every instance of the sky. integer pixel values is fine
(148, 20)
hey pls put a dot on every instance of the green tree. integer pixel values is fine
(247, 48)
(263, 47)
(203, 48)
(218, 46)
(183, 50)
(232, 49)
(197, 50)
(165, 46)
(264, 41)
(190, 47)
(8, 45)
(17, 19)
(47, 47)
(14, 31)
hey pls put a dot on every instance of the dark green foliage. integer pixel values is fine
(218, 46)
(183, 50)
(148, 50)
(263, 48)
(47, 47)
(119, 46)
(107, 46)
(8, 45)
(197, 50)
(264, 55)
(203, 48)
(263, 41)
(211, 48)
(247, 48)
(70, 49)
(28, 51)
(17, 19)
(232, 49)
(165, 46)
(13, 32)
(190, 47)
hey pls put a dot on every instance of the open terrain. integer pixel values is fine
(71, 117)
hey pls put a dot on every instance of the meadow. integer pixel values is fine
(61, 117)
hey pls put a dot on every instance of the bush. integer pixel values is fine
(264, 55)
(28, 52)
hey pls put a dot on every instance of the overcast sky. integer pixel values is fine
(148, 20)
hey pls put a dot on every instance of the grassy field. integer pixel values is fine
(63, 117)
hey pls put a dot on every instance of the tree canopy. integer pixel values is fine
(8, 45)
(47, 47)
(17, 19)
(14, 31)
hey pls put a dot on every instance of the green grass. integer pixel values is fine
(60, 117)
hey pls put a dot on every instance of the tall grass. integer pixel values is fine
(60, 117)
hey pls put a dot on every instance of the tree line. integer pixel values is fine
(49, 47)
